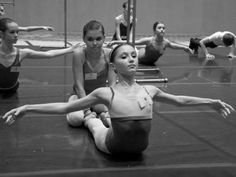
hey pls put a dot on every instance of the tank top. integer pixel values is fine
(9, 75)
(141, 107)
(94, 80)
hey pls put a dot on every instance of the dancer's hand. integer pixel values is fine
(222, 108)
(231, 56)
(188, 50)
(110, 44)
(11, 116)
(48, 28)
(210, 56)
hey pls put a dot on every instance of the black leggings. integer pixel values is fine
(195, 43)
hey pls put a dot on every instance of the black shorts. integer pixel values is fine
(195, 43)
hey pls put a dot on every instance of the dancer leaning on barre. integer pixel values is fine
(11, 57)
(26, 28)
(129, 104)
(154, 46)
(121, 24)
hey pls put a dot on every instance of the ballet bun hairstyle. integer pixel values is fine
(4, 22)
(113, 52)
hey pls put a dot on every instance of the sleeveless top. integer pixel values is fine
(152, 53)
(9, 75)
(90, 81)
(141, 107)
(123, 32)
(217, 37)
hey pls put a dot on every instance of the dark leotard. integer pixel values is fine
(130, 125)
(123, 32)
(194, 44)
(152, 53)
(9, 76)
(94, 83)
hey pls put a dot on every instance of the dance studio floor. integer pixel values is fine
(184, 142)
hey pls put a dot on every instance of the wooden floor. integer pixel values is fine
(184, 142)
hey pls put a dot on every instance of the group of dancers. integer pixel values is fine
(117, 113)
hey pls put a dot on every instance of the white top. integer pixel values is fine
(217, 37)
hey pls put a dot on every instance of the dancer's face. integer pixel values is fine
(126, 60)
(11, 34)
(160, 29)
(94, 39)
(126, 9)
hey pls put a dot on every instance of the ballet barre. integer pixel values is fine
(158, 80)
(148, 69)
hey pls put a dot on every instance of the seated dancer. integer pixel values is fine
(11, 57)
(129, 104)
(91, 70)
(155, 45)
